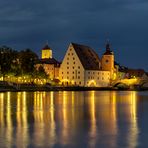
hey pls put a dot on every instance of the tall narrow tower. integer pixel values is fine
(107, 60)
(46, 52)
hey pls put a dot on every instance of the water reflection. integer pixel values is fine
(73, 119)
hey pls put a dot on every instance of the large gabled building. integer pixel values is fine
(81, 66)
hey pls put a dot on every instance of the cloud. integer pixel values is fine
(28, 23)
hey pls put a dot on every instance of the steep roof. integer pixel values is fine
(49, 61)
(87, 56)
(136, 72)
(108, 51)
(46, 47)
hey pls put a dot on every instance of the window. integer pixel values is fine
(78, 72)
(102, 73)
(78, 67)
(73, 62)
(93, 72)
(67, 72)
(80, 83)
(98, 78)
(102, 78)
(73, 58)
(62, 72)
(106, 61)
(78, 77)
(67, 58)
(73, 77)
(98, 73)
(67, 67)
(73, 67)
(72, 54)
(68, 53)
(67, 63)
(67, 77)
(88, 72)
(73, 72)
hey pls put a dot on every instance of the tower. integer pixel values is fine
(107, 60)
(46, 52)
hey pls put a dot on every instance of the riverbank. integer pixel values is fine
(32, 87)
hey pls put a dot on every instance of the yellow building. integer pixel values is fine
(50, 64)
(107, 61)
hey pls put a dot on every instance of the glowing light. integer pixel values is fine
(92, 83)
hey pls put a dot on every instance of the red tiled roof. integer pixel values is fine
(136, 72)
(87, 56)
(49, 61)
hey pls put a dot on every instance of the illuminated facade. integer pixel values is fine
(107, 61)
(81, 66)
(50, 64)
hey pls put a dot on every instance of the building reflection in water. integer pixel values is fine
(62, 118)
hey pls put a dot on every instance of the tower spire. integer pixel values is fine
(107, 44)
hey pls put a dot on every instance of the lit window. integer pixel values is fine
(106, 61)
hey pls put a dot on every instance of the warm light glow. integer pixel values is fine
(92, 83)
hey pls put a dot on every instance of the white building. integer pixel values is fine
(81, 66)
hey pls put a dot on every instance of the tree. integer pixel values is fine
(27, 60)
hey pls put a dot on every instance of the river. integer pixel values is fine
(74, 119)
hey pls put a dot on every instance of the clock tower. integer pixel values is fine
(107, 60)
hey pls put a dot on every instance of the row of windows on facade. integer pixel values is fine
(78, 77)
(75, 83)
(96, 73)
(98, 78)
(73, 67)
(72, 72)
(70, 59)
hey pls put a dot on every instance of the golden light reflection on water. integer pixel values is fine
(59, 116)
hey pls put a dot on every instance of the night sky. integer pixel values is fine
(30, 23)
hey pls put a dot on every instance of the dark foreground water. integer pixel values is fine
(100, 119)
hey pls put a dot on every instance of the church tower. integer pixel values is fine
(46, 52)
(107, 60)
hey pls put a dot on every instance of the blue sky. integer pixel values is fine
(30, 23)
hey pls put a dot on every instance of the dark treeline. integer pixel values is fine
(19, 63)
